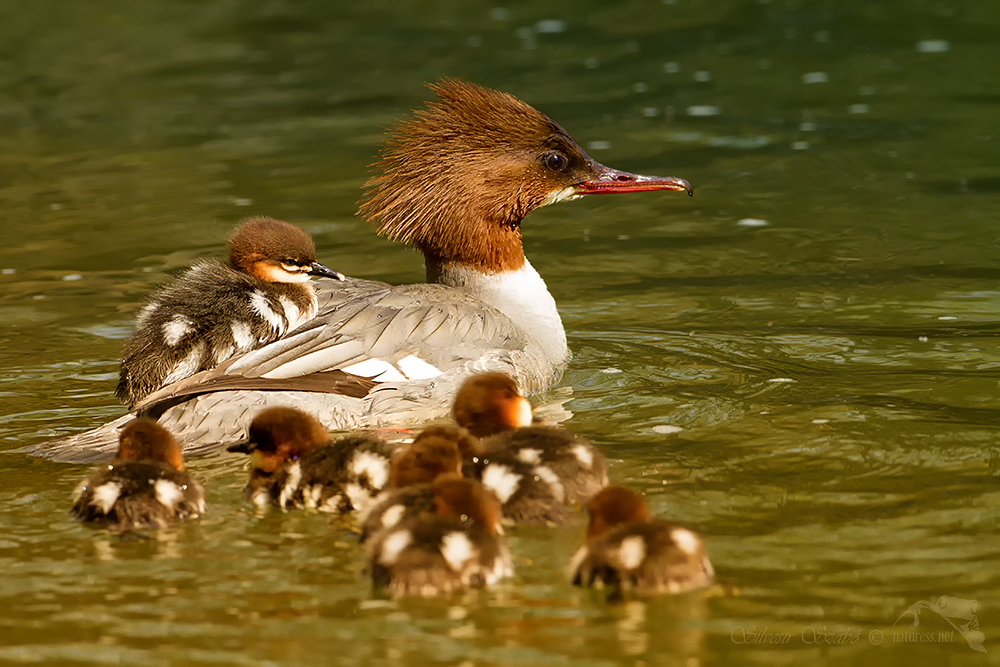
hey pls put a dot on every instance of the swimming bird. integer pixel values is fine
(455, 181)
(627, 550)
(144, 487)
(535, 469)
(454, 545)
(294, 465)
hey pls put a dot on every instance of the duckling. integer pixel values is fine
(294, 464)
(453, 546)
(628, 550)
(212, 311)
(553, 465)
(145, 486)
(528, 493)
(411, 489)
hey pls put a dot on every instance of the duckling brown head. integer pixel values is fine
(281, 434)
(490, 403)
(467, 499)
(275, 251)
(423, 461)
(145, 440)
(612, 506)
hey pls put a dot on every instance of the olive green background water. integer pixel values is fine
(802, 362)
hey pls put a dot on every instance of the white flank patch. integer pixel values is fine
(501, 480)
(576, 561)
(332, 504)
(632, 551)
(545, 473)
(220, 354)
(291, 485)
(686, 540)
(241, 335)
(175, 330)
(375, 466)
(376, 369)
(529, 456)
(167, 493)
(415, 368)
(456, 549)
(359, 497)
(393, 545)
(187, 366)
(583, 455)
(391, 516)
(261, 498)
(105, 496)
(260, 304)
(311, 496)
(145, 313)
(292, 313)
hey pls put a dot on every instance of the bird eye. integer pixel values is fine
(555, 161)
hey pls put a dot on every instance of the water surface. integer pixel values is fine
(801, 362)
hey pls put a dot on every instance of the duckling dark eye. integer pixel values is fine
(555, 161)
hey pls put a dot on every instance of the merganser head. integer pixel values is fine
(423, 461)
(458, 179)
(280, 434)
(467, 499)
(614, 505)
(490, 403)
(145, 440)
(276, 252)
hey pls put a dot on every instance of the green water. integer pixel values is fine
(834, 371)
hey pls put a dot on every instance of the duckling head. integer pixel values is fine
(281, 434)
(490, 403)
(276, 252)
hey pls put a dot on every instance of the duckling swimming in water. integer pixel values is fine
(145, 486)
(628, 550)
(214, 311)
(294, 465)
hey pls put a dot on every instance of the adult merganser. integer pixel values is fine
(294, 464)
(455, 545)
(455, 182)
(628, 550)
(214, 311)
(145, 486)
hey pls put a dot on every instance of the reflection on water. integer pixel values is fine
(801, 361)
